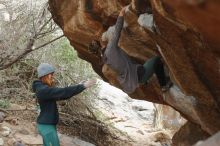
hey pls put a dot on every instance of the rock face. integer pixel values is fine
(187, 37)
(187, 137)
(213, 141)
(130, 116)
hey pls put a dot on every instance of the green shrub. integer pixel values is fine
(4, 103)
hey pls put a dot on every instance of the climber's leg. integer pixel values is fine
(164, 81)
(155, 65)
(49, 134)
(148, 70)
(159, 71)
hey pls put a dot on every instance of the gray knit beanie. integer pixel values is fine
(44, 69)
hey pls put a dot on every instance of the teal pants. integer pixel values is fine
(49, 134)
(154, 65)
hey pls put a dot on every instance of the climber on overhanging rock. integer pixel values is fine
(131, 74)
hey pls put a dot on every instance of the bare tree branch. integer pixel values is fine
(43, 34)
(45, 24)
(28, 49)
(30, 21)
(48, 42)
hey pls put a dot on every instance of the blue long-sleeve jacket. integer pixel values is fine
(47, 97)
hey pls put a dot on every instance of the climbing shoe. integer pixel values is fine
(167, 86)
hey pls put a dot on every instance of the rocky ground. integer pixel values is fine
(133, 121)
(18, 128)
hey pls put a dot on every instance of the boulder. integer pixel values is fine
(5, 131)
(189, 134)
(1, 142)
(212, 141)
(186, 36)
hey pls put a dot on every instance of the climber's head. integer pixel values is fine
(107, 36)
(45, 73)
(104, 46)
(104, 43)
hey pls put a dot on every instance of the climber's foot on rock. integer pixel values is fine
(167, 86)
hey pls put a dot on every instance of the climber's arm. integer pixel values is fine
(118, 27)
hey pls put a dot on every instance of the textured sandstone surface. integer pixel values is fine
(212, 141)
(187, 38)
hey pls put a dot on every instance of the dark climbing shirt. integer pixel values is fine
(118, 60)
(47, 97)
